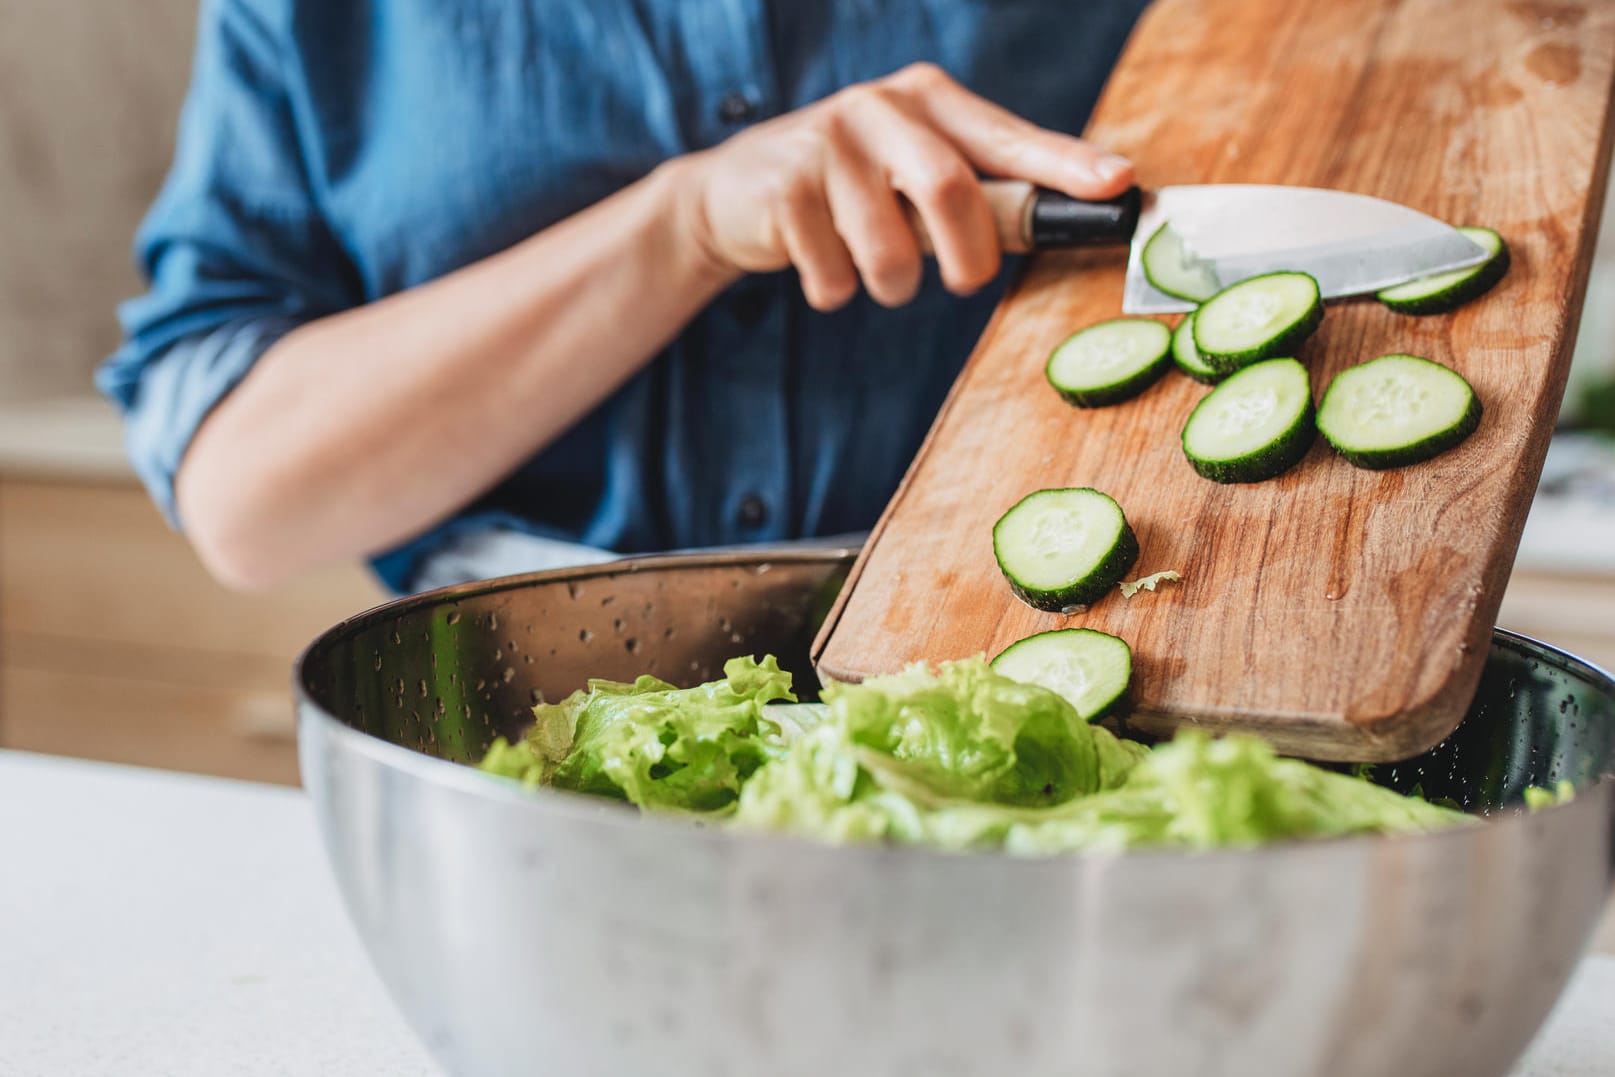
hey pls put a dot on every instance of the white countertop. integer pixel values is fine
(157, 923)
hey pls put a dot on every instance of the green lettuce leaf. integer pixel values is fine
(1538, 797)
(967, 732)
(1199, 793)
(957, 758)
(681, 749)
(946, 758)
(1147, 583)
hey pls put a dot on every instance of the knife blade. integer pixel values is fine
(1352, 243)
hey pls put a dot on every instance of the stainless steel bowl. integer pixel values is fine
(550, 933)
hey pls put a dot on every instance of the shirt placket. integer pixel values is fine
(732, 65)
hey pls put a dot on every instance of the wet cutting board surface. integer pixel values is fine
(1342, 613)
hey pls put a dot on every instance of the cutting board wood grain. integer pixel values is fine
(1341, 613)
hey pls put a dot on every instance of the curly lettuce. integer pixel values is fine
(650, 743)
(958, 757)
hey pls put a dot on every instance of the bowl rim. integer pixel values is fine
(315, 722)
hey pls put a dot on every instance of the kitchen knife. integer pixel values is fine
(1351, 243)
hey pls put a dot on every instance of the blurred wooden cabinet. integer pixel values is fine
(115, 644)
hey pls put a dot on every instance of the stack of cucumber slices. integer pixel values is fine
(1063, 549)
(1258, 423)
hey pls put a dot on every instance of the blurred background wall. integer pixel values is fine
(91, 90)
(113, 643)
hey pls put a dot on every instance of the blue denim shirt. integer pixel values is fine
(332, 152)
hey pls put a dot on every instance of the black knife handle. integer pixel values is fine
(1035, 218)
(1057, 220)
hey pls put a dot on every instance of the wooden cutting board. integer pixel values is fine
(1343, 614)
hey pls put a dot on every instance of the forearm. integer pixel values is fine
(356, 431)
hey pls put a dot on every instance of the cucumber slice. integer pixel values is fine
(1447, 291)
(1169, 268)
(1187, 357)
(1257, 319)
(1397, 410)
(1110, 362)
(1089, 669)
(1064, 549)
(1257, 424)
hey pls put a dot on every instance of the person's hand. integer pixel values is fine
(823, 187)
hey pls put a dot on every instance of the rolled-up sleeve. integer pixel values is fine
(235, 249)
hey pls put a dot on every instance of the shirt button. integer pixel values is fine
(748, 303)
(753, 511)
(736, 107)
